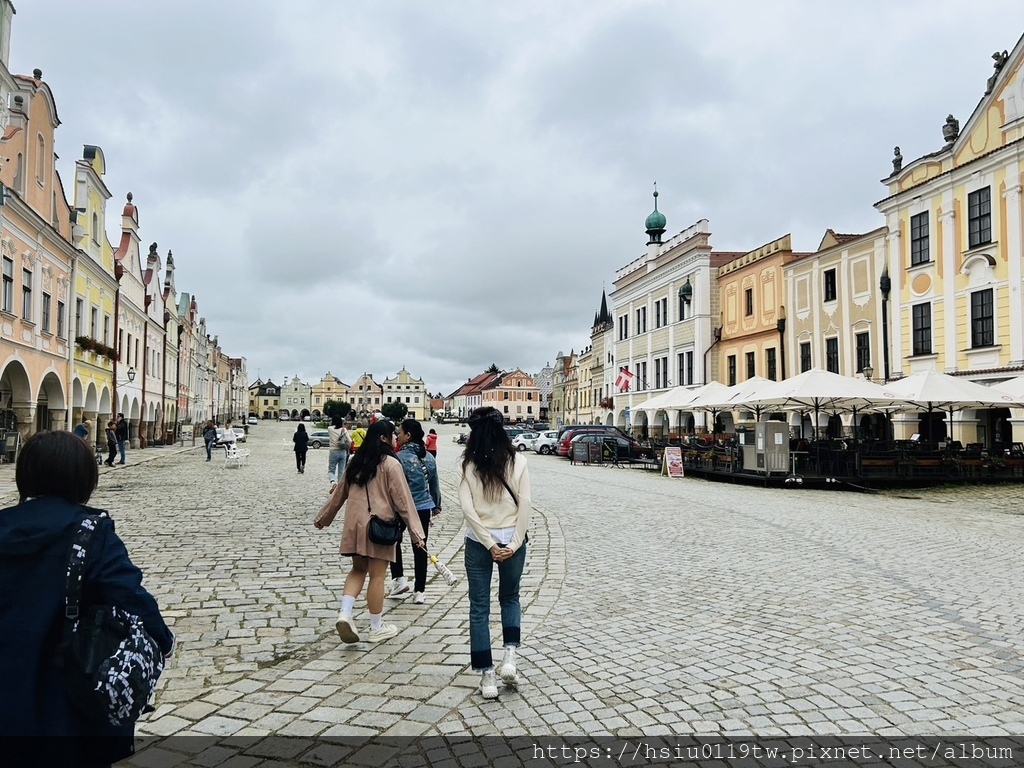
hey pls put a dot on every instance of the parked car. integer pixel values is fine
(540, 426)
(524, 440)
(627, 450)
(567, 435)
(253, 421)
(284, 417)
(319, 438)
(239, 434)
(546, 442)
(512, 432)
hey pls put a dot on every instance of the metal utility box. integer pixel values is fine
(770, 451)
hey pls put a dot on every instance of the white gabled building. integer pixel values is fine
(403, 388)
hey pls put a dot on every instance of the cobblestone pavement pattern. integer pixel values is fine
(651, 606)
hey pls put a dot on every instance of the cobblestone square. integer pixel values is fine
(651, 606)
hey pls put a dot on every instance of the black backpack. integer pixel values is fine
(111, 664)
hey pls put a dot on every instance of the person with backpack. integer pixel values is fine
(340, 444)
(55, 475)
(209, 438)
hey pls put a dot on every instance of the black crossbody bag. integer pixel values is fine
(383, 532)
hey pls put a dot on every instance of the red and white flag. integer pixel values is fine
(624, 379)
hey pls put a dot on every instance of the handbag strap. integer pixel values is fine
(509, 489)
(76, 566)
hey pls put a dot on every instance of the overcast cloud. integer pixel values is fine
(358, 186)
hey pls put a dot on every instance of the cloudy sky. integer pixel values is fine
(361, 186)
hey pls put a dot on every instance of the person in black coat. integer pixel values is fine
(301, 440)
(56, 474)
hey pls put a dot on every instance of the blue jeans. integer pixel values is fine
(120, 447)
(336, 463)
(209, 449)
(479, 569)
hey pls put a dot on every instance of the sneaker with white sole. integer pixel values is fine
(488, 685)
(346, 628)
(385, 632)
(419, 598)
(400, 588)
(507, 669)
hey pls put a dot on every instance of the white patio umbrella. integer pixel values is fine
(1014, 388)
(708, 398)
(740, 394)
(931, 391)
(666, 401)
(819, 390)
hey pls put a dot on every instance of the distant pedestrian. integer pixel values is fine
(421, 473)
(375, 484)
(358, 435)
(494, 492)
(301, 441)
(56, 475)
(111, 434)
(209, 438)
(122, 435)
(82, 430)
(430, 442)
(340, 445)
(228, 438)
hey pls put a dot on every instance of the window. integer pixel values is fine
(641, 320)
(830, 285)
(96, 229)
(979, 217)
(8, 294)
(19, 174)
(46, 313)
(61, 330)
(26, 295)
(731, 360)
(506, 395)
(751, 365)
(922, 322)
(862, 344)
(982, 328)
(106, 329)
(805, 356)
(661, 313)
(661, 373)
(682, 309)
(919, 239)
(689, 368)
(623, 327)
(40, 158)
(94, 323)
(832, 355)
(641, 376)
(749, 296)
(770, 364)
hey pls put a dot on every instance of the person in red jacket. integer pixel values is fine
(430, 441)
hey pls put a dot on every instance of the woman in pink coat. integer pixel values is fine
(375, 483)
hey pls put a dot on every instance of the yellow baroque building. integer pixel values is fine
(92, 313)
(954, 256)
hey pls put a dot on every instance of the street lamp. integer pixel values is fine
(686, 292)
(868, 371)
(131, 375)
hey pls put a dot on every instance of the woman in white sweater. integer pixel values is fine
(494, 491)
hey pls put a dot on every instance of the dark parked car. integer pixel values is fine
(627, 450)
(568, 434)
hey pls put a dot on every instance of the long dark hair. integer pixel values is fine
(489, 450)
(362, 468)
(414, 430)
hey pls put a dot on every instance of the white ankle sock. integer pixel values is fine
(347, 604)
(376, 620)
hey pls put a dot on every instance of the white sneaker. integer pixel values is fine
(488, 685)
(400, 587)
(385, 632)
(419, 598)
(346, 628)
(507, 669)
